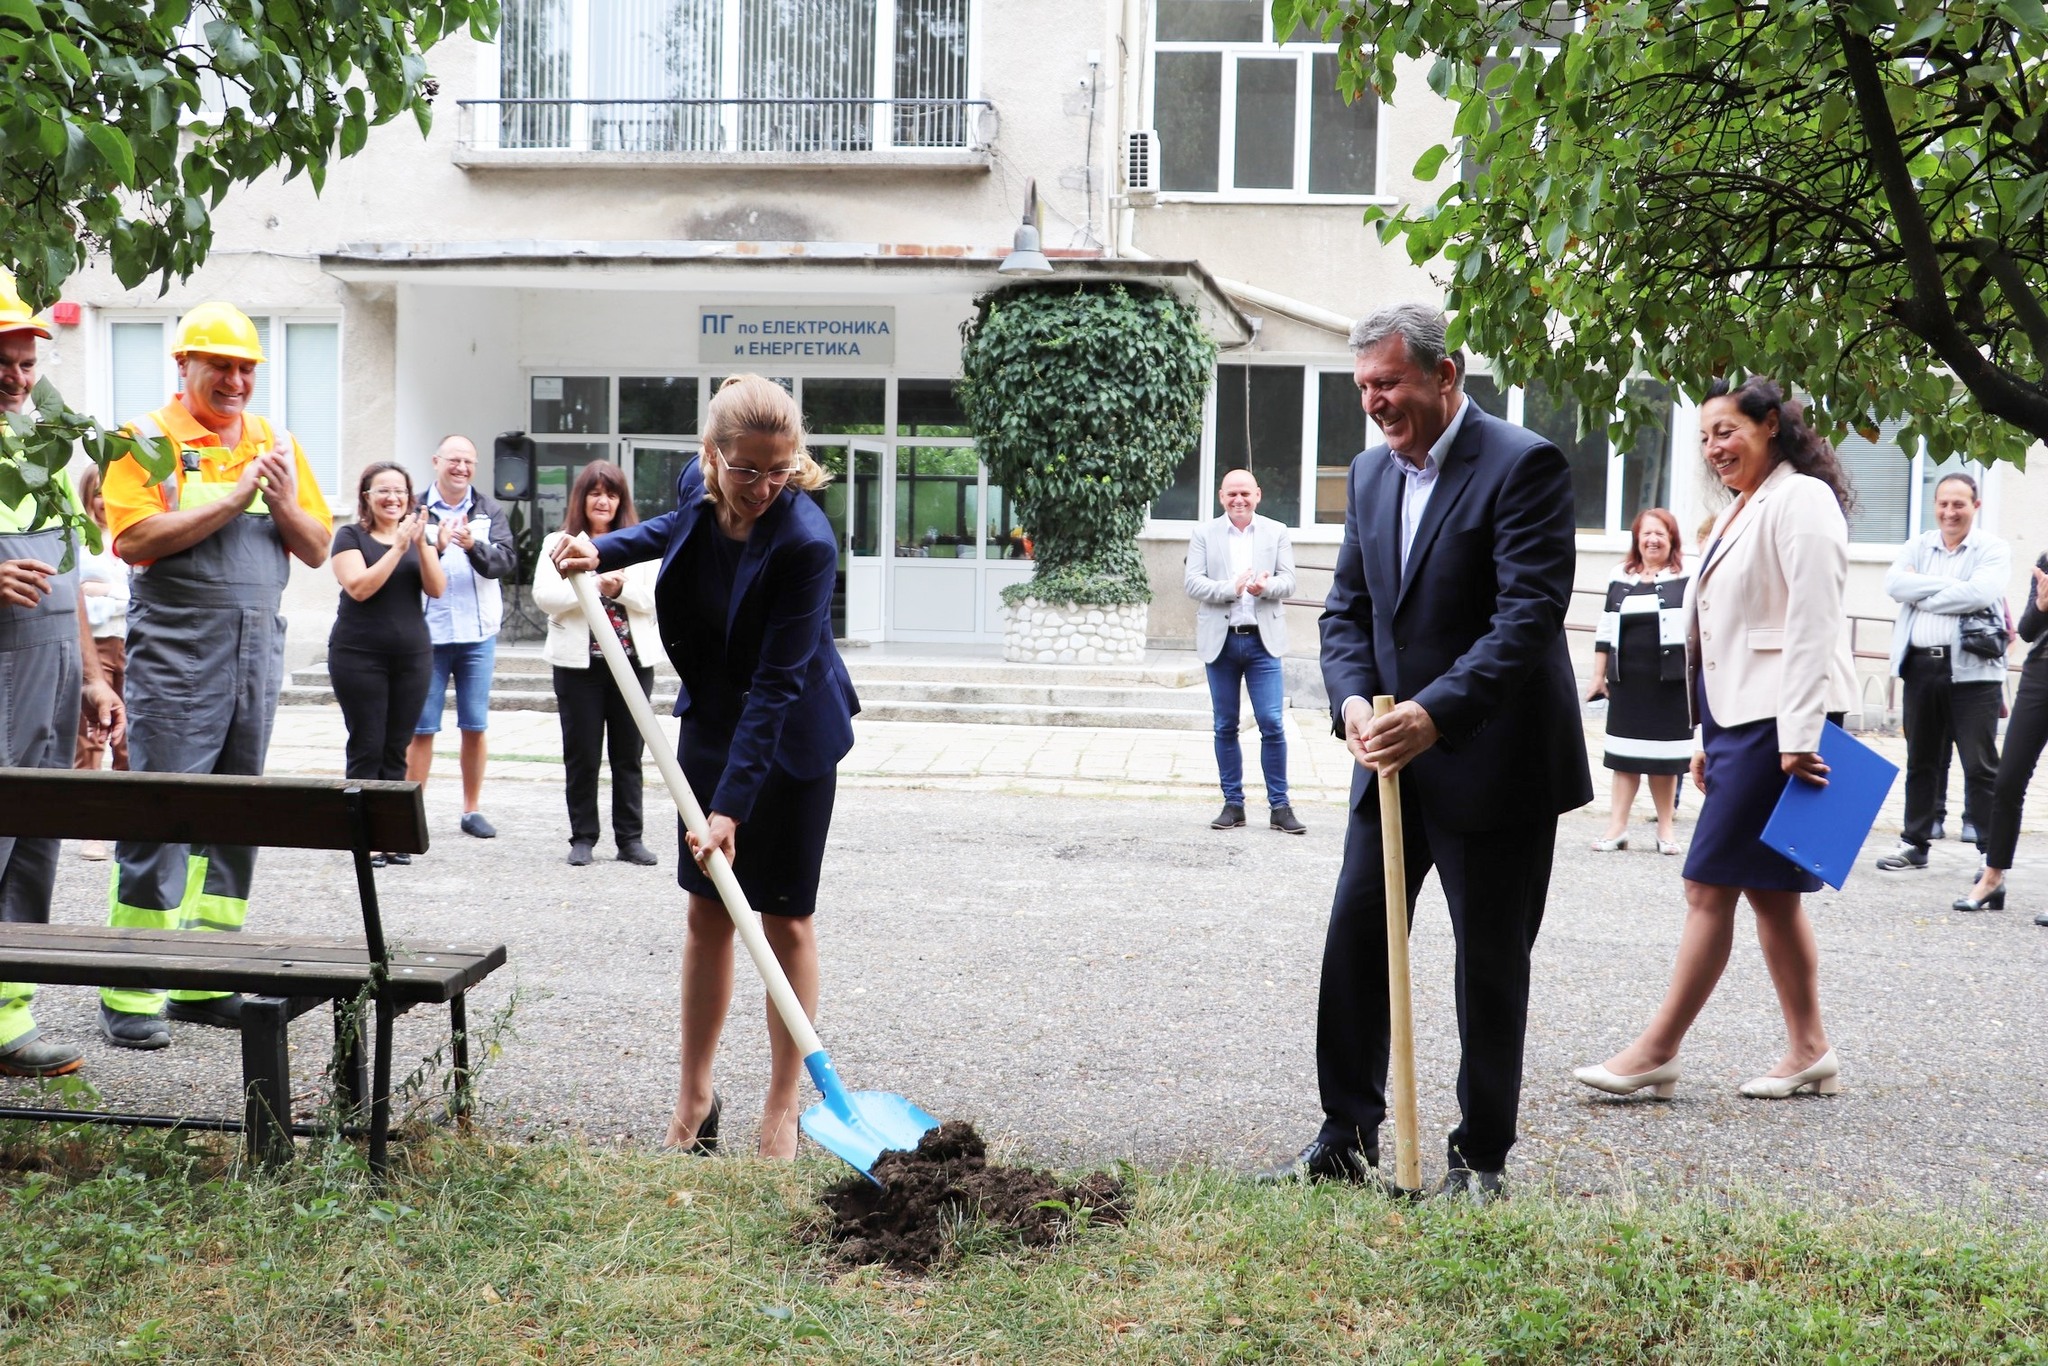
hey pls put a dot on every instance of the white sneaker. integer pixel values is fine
(95, 850)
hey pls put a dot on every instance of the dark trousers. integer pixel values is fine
(595, 719)
(1941, 715)
(381, 694)
(2025, 735)
(1496, 882)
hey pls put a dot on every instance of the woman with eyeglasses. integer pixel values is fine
(744, 606)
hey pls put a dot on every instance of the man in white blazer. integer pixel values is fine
(1240, 572)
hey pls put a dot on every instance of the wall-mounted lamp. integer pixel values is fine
(1025, 258)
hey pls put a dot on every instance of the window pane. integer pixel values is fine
(1182, 499)
(655, 49)
(935, 497)
(1212, 21)
(1557, 417)
(1258, 426)
(807, 50)
(657, 405)
(1646, 464)
(1343, 139)
(1485, 391)
(1187, 106)
(1002, 530)
(845, 405)
(555, 464)
(931, 64)
(138, 363)
(1931, 476)
(312, 400)
(866, 502)
(1882, 475)
(571, 403)
(1265, 123)
(1340, 435)
(926, 407)
(533, 63)
(654, 474)
(259, 387)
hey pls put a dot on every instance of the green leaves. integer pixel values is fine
(1084, 399)
(37, 445)
(1679, 191)
(121, 125)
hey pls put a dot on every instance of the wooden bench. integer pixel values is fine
(280, 976)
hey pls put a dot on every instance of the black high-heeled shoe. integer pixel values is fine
(705, 1144)
(1993, 900)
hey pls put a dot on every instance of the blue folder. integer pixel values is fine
(1822, 829)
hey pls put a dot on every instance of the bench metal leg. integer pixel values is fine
(351, 1062)
(380, 1093)
(266, 1079)
(458, 1030)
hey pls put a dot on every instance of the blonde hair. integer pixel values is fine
(750, 405)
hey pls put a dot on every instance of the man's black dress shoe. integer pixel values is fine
(1230, 818)
(1321, 1161)
(1283, 819)
(633, 851)
(1483, 1187)
(1969, 835)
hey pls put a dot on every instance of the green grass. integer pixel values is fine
(152, 1248)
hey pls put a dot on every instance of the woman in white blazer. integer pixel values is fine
(593, 712)
(1768, 665)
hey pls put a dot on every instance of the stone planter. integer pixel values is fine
(1073, 633)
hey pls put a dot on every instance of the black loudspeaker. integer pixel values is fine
(512, 467)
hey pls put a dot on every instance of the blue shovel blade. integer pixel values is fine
(859, 1126)
(875, 1122)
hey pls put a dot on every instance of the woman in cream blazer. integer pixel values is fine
(1767, 664)
(593, 712)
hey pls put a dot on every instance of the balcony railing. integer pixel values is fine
(692, 128)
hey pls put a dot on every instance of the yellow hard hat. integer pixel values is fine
(15, 315)
(218, 330)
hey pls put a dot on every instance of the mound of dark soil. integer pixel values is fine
(906, 1222)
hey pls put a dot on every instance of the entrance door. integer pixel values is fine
(865, 549)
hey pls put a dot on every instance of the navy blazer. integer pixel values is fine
(797, 701)
(1473, 631)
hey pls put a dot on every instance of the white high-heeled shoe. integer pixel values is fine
(1823, 1078)
(1662, 1081)
(1608, 846)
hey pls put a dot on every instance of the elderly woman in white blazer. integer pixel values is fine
(1769, 665)
(592, 711)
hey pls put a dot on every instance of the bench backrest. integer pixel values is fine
(181, 808)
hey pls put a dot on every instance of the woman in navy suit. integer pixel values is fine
(744, 603)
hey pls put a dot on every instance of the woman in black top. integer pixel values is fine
(2025, 736)
(379, 656)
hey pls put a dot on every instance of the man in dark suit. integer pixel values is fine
(1450, 595)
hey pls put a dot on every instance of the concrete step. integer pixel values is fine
(1034, 695)
(996, 671)
(999, 714)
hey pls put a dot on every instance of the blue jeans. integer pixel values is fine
(1246, 659)
(471, 663)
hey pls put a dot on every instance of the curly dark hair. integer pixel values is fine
(1759, 399)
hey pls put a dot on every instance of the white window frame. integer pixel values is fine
(278, 365)
(490, 69)
(1266, 49)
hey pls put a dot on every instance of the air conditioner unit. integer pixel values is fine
(1141, 165)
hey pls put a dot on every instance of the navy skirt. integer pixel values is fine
(779, 851)
(1744, 782)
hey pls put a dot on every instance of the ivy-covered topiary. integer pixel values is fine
(1084, 398)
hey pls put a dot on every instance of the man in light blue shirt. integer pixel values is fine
(474, 540)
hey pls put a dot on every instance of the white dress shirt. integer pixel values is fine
(1238, 540)
(1939, 629)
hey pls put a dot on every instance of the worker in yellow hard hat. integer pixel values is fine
(47, 663)
(212, 546)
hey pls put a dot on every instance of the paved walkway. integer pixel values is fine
(1036, 930)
